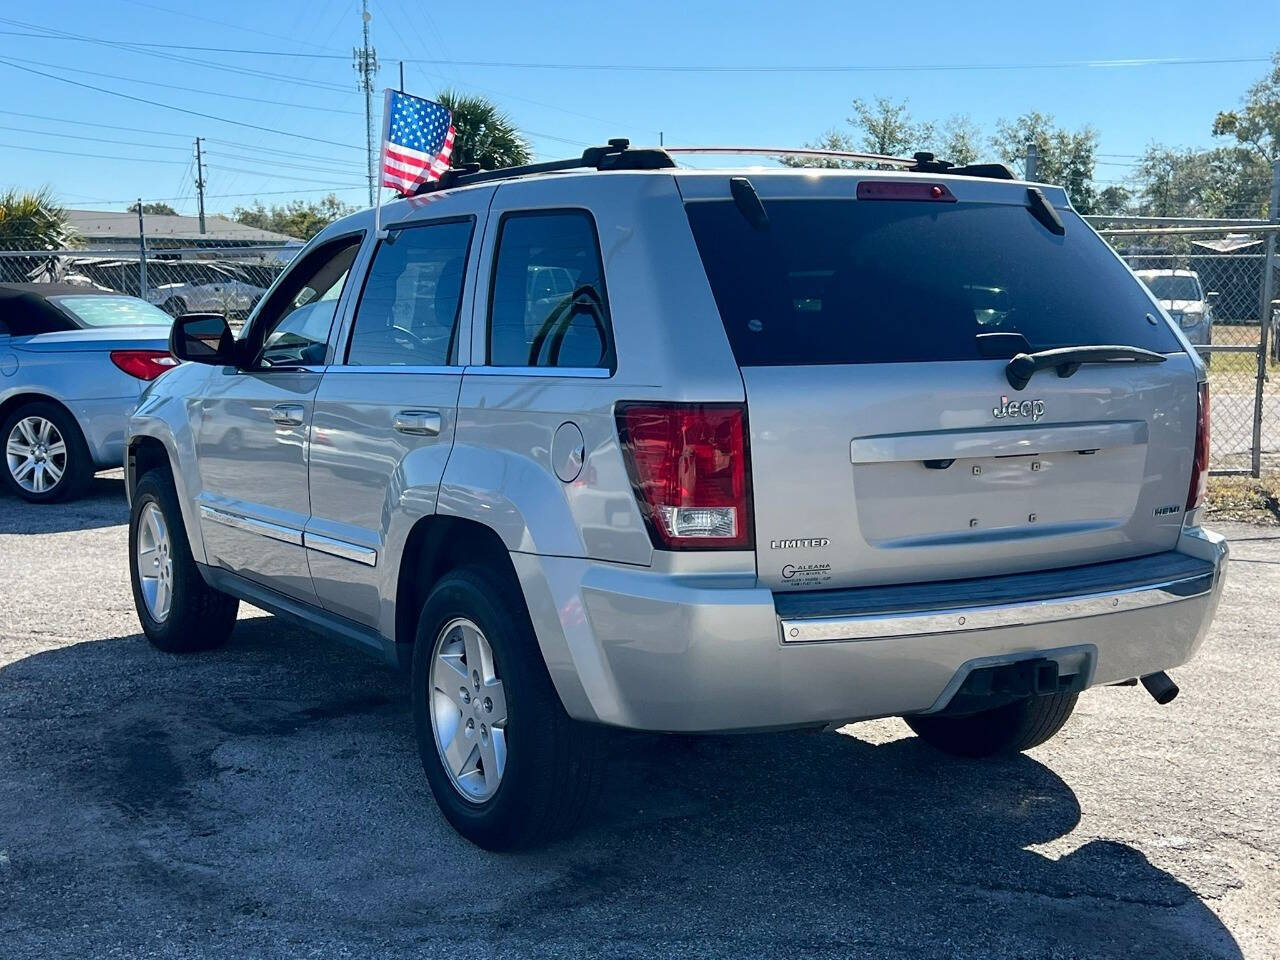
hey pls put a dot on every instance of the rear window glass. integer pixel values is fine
(847, 281)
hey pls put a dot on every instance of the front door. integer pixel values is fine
(384, 414)
(252, 427)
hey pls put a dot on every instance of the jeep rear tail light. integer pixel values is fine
(1200, 463)
(688, 464)
(143, 364)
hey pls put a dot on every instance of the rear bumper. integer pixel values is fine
(637, 648)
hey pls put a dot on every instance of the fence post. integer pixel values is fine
(142, 253)
(1029, 168)
(1264, 318)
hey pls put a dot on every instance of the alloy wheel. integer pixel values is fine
(36, 454)
(155, 562)
(468, 708)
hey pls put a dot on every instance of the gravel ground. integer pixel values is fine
(266, 801)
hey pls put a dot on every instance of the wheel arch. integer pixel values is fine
(17, 399)
(435, 545)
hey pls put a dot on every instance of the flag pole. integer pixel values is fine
(382, 162)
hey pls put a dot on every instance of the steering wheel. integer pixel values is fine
(555, 328)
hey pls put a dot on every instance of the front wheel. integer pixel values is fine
(508, 767)
(1011, 728)
(179, 612)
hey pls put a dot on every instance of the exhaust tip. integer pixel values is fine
(1161, 687)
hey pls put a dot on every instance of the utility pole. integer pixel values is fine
(200, 184)
(365, 62)
(402, 76)
(1033, 162)
(142, 253)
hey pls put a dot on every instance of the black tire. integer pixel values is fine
(553, 764)
(199, 617)
(78, 471)
(1011, 728)
(174, 306)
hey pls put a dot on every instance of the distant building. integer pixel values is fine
(113, 231)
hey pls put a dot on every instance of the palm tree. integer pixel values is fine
(485, 135)
(32, 221)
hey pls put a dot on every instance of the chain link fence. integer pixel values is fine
(1209, 276)
(188, 279)
(1212, 279)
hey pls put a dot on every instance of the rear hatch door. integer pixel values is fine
(887, 444)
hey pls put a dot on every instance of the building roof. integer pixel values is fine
(115, 225)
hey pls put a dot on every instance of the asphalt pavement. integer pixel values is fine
(266, 801)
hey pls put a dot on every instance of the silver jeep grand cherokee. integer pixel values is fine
(611, 443)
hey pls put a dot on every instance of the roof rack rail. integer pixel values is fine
(921, 162)
(618, 154)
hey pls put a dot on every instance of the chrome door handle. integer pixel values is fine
(288, 414)
(419, 423)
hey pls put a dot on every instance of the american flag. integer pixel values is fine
(417, 143)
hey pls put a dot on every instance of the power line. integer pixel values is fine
(166, 106)
(171, 86)
(87, 156)
(1122, 62)
(76, 136)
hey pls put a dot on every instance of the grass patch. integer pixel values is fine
(1244, 499)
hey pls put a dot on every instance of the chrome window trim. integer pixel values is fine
(993, 617)
(589, 373)
(346, 369)
(340, 548)
(265, 528)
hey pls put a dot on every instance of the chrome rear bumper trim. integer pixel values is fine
(961, 619)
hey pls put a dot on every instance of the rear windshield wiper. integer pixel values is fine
(1067, 360)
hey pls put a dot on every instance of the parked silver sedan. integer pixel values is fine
(73, 361)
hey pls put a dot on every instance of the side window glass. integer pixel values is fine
(292, 328)
(408, 313)
(548, 306)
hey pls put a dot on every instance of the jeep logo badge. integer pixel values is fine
(1015, 408)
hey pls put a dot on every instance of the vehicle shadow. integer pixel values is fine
(104, 505)
(273, 788)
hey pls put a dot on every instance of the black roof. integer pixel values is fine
(25, 309)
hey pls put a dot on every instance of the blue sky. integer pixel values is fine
(562, 108)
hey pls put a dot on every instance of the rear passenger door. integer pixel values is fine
(385, 411)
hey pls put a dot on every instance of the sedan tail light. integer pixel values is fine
(689, 467)
(143, 364)
(1200, 462)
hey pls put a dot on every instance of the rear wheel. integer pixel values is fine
(508, 767)
(179, 612)
(45, 456)
(1011, 728)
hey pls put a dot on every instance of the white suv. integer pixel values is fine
(630, 445)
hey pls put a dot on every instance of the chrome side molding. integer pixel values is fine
(340, 548)
(263, 528)
(995, 616)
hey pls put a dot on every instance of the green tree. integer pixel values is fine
(297, 218)
(886, 126)
(1221, 182)
(1256, 125)
(157, 209)
(33, 220)
(1065, 157)
(485, 135)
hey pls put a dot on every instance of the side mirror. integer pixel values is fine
(203, 338)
